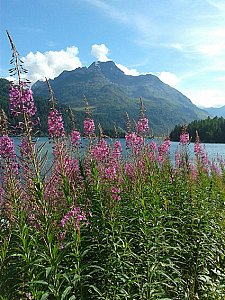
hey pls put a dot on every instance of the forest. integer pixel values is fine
(210, 130)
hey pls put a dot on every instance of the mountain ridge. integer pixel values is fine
(111, 93)
(216, 111)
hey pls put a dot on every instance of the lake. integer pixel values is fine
(213, 150)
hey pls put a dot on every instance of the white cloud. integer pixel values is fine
(168, 78)
(51, 63)
(177, 46)
(100, 52)
(206, 97)
(128, 71)
(10, 78)
(219, 4)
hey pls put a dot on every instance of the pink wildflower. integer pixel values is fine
(184, 138)
(194, 172)
(198, 149)
(152, 151)
(142, 126)
(76, 214)
(25, 149)
(100, 152)
(134, 142)
(152, 146)
(21, 100)
(110, 173)
(65, 161)
(130, 171)
(7, 149)
(8, 154)
(75, 138)
(197, 146)
(163, 150)
(215, 168)
(70, 166)
(116, 193)
(178, 159)
(55, 124)
(89, 126)
(117, 150)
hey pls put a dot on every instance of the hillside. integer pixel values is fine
(216, 111)
(111, 94)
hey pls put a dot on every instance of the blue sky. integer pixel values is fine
(180, 41)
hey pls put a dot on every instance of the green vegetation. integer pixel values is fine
(210, 130)
(97, 227)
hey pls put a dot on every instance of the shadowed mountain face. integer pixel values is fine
(111, 94)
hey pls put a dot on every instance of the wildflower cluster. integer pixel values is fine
(76, 215)
(184, 138)
(7, 149)
(75, 138)
(55, 124)
(142, 126)
(134, 141)
(89, 127)
(163, 150)
(21, 100)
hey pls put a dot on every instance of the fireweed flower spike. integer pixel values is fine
(55, 120)
(134, 142)
(75, 214)
(75, 138)
(55, 124)
(128, 123)
(21, 100)
(142, 125)
(197, 146)
(184, 138)
(163, 150)
(9, 170)
(89, 125)
(7, 149)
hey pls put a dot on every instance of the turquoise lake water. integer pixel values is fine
(213, 150)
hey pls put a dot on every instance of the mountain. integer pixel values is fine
(111, 94)
(216, 111)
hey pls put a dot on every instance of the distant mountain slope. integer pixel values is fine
(216, 111)
(111, 93)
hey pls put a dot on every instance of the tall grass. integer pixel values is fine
(101, 226)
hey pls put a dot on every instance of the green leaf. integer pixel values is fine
(39, 282)
(96, 290)
(66, 292)
(45, 296)
(47, 271)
